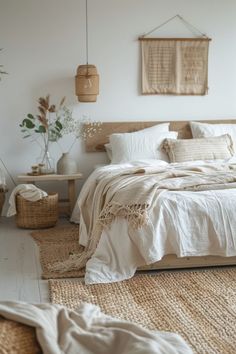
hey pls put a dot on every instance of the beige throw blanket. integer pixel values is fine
(129, 194)
(132, 196)
(87, 330)
(27, 191)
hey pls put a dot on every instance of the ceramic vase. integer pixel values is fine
(66, 165)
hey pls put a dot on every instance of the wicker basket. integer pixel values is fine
(37, 215)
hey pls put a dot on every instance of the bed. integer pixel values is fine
(216, 253)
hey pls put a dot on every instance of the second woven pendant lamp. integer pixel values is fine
(87, 78)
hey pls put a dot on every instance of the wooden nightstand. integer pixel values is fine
(68, 204)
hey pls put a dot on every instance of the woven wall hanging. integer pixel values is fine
(177, 66)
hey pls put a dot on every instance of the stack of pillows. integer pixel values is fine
(210, 142)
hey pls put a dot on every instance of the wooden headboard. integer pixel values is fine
(96, 142)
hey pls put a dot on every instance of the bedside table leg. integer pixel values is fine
(71, 194)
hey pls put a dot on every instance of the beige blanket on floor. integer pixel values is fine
(87, 330)
(130, 193)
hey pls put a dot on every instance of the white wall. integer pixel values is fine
(44, 42)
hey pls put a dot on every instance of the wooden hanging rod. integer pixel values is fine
(173, 39)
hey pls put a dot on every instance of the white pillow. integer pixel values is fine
(139, 146)
(108, 151)
(158, 128)
(205, 130)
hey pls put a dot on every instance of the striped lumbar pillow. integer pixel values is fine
(181, 150)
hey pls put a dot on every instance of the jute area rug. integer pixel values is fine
(199, 305)
(56, 244)
(17, 338)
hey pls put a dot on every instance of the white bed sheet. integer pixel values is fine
(209, 228)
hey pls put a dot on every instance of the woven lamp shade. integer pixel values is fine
(87, 83)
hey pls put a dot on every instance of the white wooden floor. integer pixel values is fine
(20, 270)
(19, 265)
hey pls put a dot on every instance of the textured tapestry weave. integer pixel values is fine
(175, 66)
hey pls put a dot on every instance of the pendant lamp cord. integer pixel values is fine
(87, 35)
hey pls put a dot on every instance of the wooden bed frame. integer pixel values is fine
(97, 141)
(96, 144)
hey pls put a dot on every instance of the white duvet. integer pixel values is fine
(184, 223)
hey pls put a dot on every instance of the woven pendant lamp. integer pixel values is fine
(87, 78)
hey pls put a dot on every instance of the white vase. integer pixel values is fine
(66, 165)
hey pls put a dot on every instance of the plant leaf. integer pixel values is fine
(59, 125)
(30, 116)
(41, 129)
(43, 121)
(52, 108)
(28, 123)
(44, 102)
(42, 110)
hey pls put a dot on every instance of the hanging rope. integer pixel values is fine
(190, 27)
(87, 32)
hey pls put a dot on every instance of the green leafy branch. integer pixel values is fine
(52, 123)
(48, 123)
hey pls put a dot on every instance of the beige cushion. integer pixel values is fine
(219, 147)
(206, 130)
